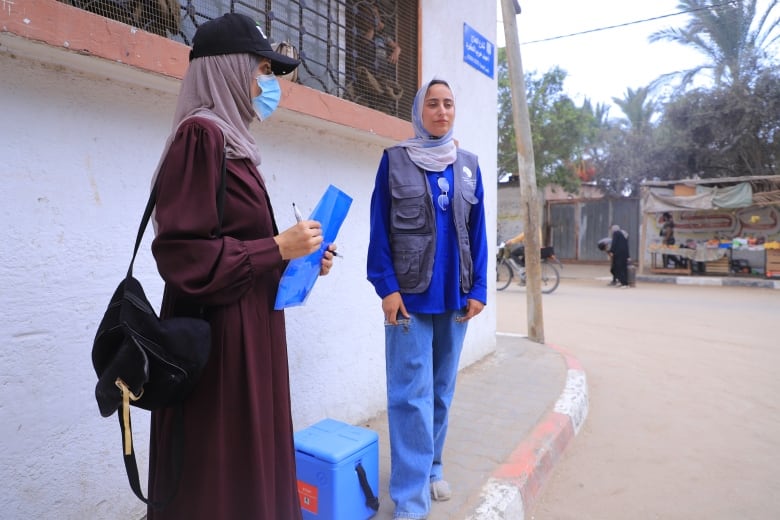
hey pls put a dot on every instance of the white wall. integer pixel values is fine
(75, 174)
(77, 153)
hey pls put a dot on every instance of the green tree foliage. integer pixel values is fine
(638, 109)
(560, 130)
(731, 128)
(728, 128)
(733, 36)
(507, 149)
(725, 132)
(729, 131)
(629, 151)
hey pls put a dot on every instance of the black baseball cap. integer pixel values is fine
(235, 33)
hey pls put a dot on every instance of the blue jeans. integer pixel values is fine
(421, 356)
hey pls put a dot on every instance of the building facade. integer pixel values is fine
(87, 105)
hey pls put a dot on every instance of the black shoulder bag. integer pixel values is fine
(147, 362)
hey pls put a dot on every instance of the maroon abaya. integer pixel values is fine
(239, 460)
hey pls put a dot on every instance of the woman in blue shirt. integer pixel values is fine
(427, 260)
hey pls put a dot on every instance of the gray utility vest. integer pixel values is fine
(413, 222)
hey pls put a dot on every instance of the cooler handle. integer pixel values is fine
(371, 500)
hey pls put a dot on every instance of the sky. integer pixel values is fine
(604, 64)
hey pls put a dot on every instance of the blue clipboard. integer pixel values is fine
(301, 273)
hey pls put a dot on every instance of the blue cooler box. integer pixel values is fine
(327, 455)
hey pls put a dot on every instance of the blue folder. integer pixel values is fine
(301, 273)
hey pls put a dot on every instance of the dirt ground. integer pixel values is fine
(684, 420)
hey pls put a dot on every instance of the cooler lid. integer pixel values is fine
(333, 441)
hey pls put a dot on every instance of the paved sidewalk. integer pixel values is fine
(601, 272)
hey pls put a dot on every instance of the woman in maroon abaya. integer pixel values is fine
(238, 455)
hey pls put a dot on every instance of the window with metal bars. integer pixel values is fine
(364, 51)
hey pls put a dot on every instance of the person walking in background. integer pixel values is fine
(604, 245)
(618, 250)
(427, 260)
(238, 457)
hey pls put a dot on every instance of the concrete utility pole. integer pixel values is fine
(529, 204)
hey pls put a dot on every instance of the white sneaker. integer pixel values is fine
(440, 490)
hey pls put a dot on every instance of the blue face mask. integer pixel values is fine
(268, 100)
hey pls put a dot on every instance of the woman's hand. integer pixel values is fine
(302, 239)
(327, 260)
(473, 307)
(392, 305)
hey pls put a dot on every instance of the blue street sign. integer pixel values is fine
(478, 51)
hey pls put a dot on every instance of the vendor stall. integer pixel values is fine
(727, 227)
(691, 255)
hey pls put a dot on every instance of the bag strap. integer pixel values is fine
(177, 442)
(153, 199)
(131, 466)
(371, 500)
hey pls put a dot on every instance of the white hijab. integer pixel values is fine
(429, 152)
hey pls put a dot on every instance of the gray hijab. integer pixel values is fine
(217, 88)
(428, 152)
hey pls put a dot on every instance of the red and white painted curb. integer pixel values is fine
(515, 485)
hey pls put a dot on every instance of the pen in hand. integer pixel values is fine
(299, 218)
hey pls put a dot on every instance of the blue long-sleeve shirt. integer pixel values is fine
(444, 291)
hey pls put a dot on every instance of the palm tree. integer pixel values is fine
(731, 34)
(599, 113)
(626, 151)
(637, 108)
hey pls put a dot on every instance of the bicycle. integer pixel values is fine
(508, 266)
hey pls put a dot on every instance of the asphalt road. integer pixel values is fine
(684, 386)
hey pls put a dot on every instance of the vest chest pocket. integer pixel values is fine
(410, 217)
(470, 197)
(408, 209)
(471, 200)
